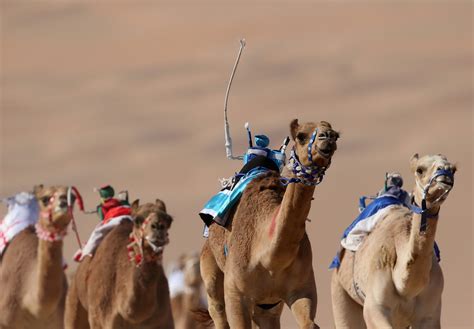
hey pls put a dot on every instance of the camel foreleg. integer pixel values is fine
(347, 313)
(213, 279)
(303, 305)
(237, 306)
(75, 315)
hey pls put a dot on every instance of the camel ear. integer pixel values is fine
(135, 205)
(161, 205)
(413, 161)
(294, 125)
(455, 168)
(325, 123)
(37, 189)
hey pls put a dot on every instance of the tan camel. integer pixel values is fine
(395, 280)
(269, 258)
(32, 281)
(124, 286)
(186, 288)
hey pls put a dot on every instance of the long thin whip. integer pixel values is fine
(228, 139)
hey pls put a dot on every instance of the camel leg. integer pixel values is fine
(236, 305)
(377, 316)
(347, 313)
(75, 315)
(429, 322)
(379, 296)
(428, 311)
(303, 305)
(213, 279)
(267, 319)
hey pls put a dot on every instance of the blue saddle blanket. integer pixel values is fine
(369, 216)
(217, 208)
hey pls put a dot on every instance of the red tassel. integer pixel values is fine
(138, 259)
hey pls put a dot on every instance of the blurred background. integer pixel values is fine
(131, 93)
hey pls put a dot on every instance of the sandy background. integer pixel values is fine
(131, 93)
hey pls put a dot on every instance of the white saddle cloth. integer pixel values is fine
(23, 211)
(357, 235)
(97, 235)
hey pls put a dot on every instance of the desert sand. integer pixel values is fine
(130, 93)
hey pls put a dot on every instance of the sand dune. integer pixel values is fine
(131, 94)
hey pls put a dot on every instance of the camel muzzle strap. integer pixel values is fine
(423, 211)
(308, 175)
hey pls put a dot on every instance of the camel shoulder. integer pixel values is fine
(116, 240)
(262, 194)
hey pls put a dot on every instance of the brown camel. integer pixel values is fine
(269, 257)
(394, 279)
(186, 292)
(123, 286)
(32, 281)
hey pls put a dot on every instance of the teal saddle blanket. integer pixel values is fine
(217, 208)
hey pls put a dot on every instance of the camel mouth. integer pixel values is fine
(444, 182)
(61, 210)
(445, 185)
(158, 242)
(156, 245)
(325, 153)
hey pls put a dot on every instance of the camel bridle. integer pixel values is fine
(423, 210)
(58, 234)
(313, 174)
(135, 249)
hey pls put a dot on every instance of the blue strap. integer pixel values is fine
(310, 145)
(443, 172)
(226, 250)
(362, 205)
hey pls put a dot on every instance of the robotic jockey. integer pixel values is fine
(111, 207)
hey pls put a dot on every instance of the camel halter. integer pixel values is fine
(309, 175)
(59, 234)
(423, 211)
(135, 249)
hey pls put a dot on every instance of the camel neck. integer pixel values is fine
(415, 261)
(288, 225)
(48, 278)
(140, 300)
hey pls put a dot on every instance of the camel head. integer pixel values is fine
(55, 214)
(150, 230)
(315, 144)
(434, 177)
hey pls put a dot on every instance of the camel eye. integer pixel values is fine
(419, 170)
(301, 137)
(45, 200)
